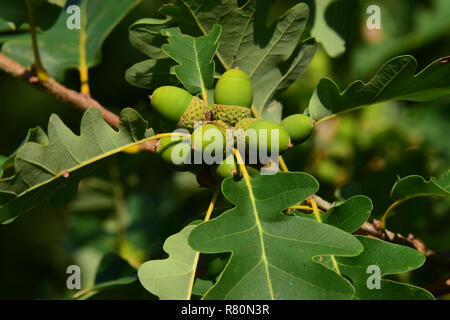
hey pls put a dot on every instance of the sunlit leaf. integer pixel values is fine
(272, 253)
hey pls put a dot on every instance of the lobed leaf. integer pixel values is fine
(272, 253)
(333, 44)
(81, 46)
(172, 278)
(395, 80)
(112, 272)
(415, 186)
(194, 56)
(41, 170)
(390, 259)
(269, 54)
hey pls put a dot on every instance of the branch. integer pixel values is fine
(440, 259)
(79, 100)
(439, 288)
(51, 86)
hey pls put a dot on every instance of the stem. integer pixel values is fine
(317, 215)
(197, 254)
(40, 71)
(83, 69)
(396, 203)
(283, 164)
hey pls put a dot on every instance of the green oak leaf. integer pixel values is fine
(390, 259)
(271, 54)
(172, 278)
(152, 73)
(41, 170)
(272, 253)
(112, 272)
(33, 135)
(416, 186)
(3, 159)
(81, 47)
(350, 214)
(194, 56)
(333, 44)
(14, 14)
(395, 80)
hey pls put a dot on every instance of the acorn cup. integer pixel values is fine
(230, 114)
(179, 106)
(233, 97)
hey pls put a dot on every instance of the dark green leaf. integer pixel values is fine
(194, 56)
(81, 46)
(113, 271)
(394, 81)
(151, 73)
(350, 214)
(333, 44)
(414, 186)
(42, 170)
(390, 259)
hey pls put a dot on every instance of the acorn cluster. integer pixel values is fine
(231, 112)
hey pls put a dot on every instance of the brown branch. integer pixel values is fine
(439, 288)
(51, 86)
(440, 259)
(78, 100)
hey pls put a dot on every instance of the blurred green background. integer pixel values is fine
(134, 202)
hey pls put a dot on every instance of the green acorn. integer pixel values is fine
(228, 168)
(299, 127)
(230, 114)
(208, 135)
(257, 138)
(234, 88)
(179, 106)
(175, 151)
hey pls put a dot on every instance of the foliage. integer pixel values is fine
(256, 246)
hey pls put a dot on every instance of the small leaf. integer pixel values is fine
(145, 35)
(42, 170)
(113, 271)
(14, 13)
(395, 80)
(350, 214)
(81, 46)
(272, 252)
(390, 259)
(415, 186)
(151, 73)
(33, 135)
(333, 44)
(194, 56)
(171, 279)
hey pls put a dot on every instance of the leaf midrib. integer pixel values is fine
(260, 234)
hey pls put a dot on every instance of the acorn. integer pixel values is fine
(208, 136)
(234, 88)
(258, 139)
(175, 151)
(179, 106)
(299, 126)
(228, 168)
(233, 97)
